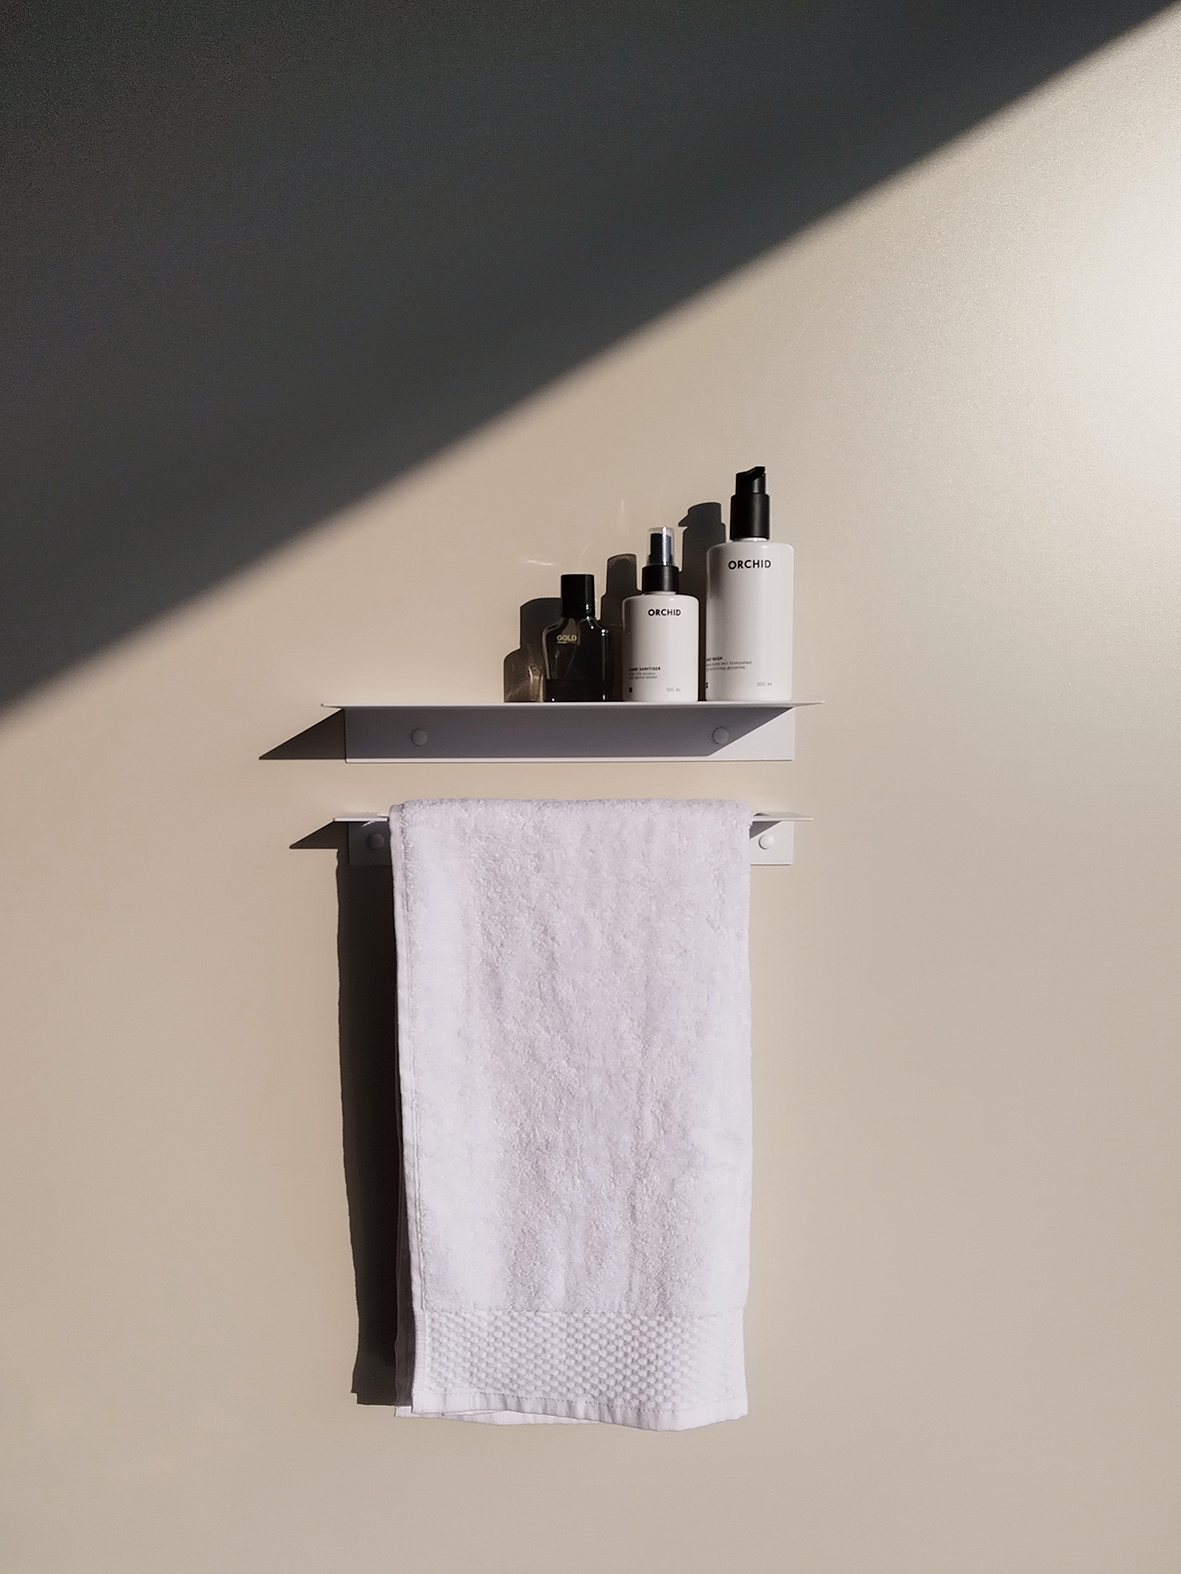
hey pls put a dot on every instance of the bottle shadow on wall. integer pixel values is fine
(703, 528)
(621, 583)
(524, 668)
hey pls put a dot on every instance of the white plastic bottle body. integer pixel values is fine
(660, 635)
(748, 619)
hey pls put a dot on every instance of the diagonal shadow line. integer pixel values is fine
(274, 260)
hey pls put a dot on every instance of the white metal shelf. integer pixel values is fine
(708, 730)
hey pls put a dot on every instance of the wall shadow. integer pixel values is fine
(371, 1116)
(524, 668)
(702, 528)
(621, 583)
(324, 740)
(258, 261)
(372, 1120)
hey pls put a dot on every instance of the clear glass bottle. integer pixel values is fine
(578, 647)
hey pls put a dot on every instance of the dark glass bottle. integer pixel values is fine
(577, 648)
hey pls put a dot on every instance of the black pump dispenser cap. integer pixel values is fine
(660, 572)
(578, 595)
(750, 507)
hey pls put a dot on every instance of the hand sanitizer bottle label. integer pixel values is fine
(660, 634)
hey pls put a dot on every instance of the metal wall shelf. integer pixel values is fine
(708, 730)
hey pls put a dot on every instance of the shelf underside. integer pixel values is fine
(704, 731)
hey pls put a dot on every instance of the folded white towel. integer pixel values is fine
(574, 1054)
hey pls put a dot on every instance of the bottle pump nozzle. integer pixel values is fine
(750, 507)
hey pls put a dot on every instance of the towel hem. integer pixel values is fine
(459, 1405)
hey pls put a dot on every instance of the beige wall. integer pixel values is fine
(963, 1329)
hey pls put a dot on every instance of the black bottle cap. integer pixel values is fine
(660, 572)
(750, 507)
(578, 595)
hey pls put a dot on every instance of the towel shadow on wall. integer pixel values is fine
(369, 1107)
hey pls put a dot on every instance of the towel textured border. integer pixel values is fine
(574, 1061)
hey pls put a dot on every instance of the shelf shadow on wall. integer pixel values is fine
(369, 1108)
(322, 741)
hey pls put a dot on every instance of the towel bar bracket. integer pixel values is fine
(772, 838)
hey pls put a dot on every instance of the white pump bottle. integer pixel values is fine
(748, 612)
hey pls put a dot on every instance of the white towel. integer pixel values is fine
(574, 1058)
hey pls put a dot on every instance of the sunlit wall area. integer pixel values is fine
(966, 389)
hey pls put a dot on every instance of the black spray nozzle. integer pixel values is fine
(750, 507)
(660, 572)
(578, 595)
(660, 547)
